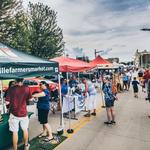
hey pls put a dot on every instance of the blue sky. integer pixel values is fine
(102, 25)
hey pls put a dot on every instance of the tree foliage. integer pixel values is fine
(20, 34)
(35, 31)
(46, 36)
(8, 8)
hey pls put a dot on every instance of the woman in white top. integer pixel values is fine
(91, 91)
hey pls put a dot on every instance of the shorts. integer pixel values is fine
(135, 90)
(15, 121)
(109, 103)
(43, 116)
(125, 82)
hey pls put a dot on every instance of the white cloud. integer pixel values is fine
(91, 25)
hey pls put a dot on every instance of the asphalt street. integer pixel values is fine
(132, 131)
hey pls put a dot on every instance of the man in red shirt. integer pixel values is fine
(146, 76)
(17, 97)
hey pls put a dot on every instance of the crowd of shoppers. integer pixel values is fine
(18, 94)
(17, 97)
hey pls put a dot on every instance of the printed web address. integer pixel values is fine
(4, 70)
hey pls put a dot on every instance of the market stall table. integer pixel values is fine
(5, 134)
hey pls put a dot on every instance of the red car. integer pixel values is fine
(34, 82)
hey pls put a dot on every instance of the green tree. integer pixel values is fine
(45, 36)
(8, 8)
(20, 34)
(35, 31)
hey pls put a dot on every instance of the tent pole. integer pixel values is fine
(101, 92)
(97, 75)
(67, 79)
(103, 105)
(61, 105)
(78, 76)
(2, 98)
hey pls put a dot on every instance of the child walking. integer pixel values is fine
(135, 87)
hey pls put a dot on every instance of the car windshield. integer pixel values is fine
(30, 82)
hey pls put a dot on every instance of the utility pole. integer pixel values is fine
(95, 52)
(141, 60)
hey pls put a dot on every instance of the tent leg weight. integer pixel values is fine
(70, 131)
(103, 107)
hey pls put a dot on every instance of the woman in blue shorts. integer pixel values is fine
(109, 101)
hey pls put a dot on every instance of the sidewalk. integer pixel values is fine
(132, 131)
(35, 127)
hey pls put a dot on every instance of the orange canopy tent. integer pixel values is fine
(72, 65)
(101, 62)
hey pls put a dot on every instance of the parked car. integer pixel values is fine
(53, 78)
(33, 84)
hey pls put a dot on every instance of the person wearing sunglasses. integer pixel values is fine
(43, 106)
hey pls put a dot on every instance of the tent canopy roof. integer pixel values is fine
(100, 61)
(14, 64)
(72, 65)
(8, 54)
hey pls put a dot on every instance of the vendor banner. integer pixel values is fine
(16, 64)
(76, 102)
(68, 103)
(15, 70)
(79, 103)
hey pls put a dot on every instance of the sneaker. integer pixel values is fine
(87, 115)
(26, 147)
(113, 122)
(107, 122)
(94, 114)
